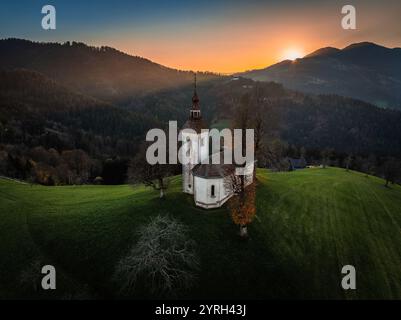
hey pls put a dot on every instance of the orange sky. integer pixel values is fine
(256, 40)
(220, 36)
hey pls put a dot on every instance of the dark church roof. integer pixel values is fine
(213, 170)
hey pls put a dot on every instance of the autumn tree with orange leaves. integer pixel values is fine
(242, 204)
(243, 209)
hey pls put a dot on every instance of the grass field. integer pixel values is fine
(309, 224)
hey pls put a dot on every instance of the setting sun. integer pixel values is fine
(292, 54)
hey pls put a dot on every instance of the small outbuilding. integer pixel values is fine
(296, 164)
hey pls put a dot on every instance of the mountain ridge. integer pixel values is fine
(103, 72)
(365, 71)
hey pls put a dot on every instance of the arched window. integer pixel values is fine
(189, 145)
(212, 192)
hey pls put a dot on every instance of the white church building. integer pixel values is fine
(207, 182)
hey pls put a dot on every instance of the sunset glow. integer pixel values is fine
(292, 54)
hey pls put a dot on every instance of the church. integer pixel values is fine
(207, 182)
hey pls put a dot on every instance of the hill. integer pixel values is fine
(363, 71)
(26, 94)
(47, 130)
(102, 72)
(314, 121)
(309, 224)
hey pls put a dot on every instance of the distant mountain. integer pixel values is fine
(323, 52)
(363, 71)
(102, 72)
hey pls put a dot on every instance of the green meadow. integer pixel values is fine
(309, 224)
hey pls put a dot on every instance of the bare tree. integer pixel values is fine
(79, 162)
(391, 170)
(242, 204)
(273, 155)
(348, 161)
(164, 259)
(257, 119)
(369, 165)
(155, 176)
(326, 155)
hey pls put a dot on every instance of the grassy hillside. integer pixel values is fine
(309, 224)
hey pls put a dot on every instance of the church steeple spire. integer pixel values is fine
(195, 112)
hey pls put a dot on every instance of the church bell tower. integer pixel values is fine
(195, 142)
